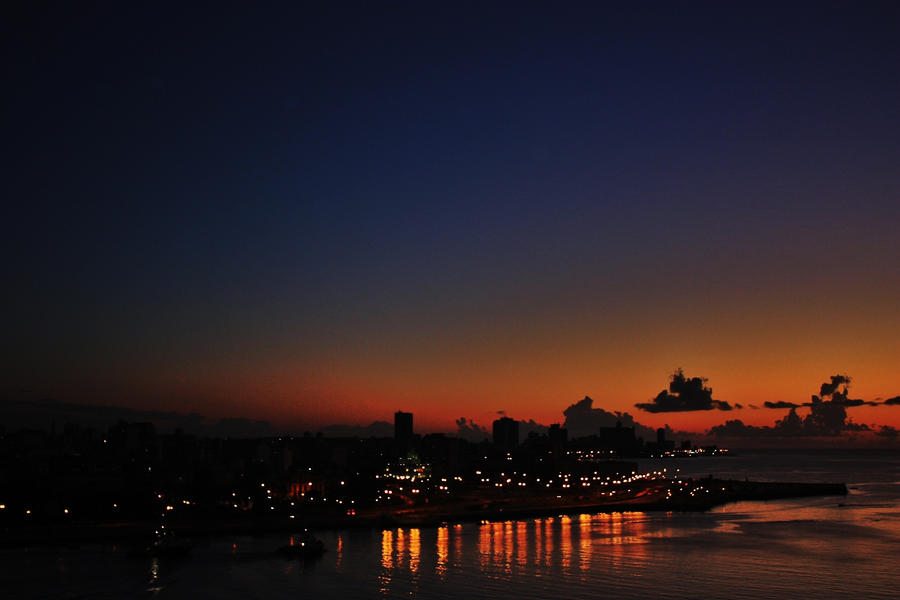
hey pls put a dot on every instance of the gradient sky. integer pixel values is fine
(322, 215)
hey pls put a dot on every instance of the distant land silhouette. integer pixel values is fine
(827, 419)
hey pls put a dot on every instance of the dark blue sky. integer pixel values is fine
(379, 198)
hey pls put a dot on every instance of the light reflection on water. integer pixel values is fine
(154, 569)
(442, 551)
(560, 546)
(154, 587)
(774, 549)
(741, 550)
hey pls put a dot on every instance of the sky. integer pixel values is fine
(322, 214)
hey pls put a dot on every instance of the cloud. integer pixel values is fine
(855, 402)
(829, 388)
(781, 404)
(892, 401)
(738, 406)
(737, 428)
(888, 432)
(467, 429)
(827, 415)
(839, 389)
(684, 395)
(582, 420)
(529, 426)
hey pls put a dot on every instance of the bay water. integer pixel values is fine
(821, 547)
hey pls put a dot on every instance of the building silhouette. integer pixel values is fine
(662, 444)
(403, 432)
(558, 438)
(619, 440)
(506, 433)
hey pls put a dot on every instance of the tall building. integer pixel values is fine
(620, 440)
(506, 433)
(558, 437)
(403, 432)
(664, 445)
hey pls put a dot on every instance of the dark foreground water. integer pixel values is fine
(807, 548)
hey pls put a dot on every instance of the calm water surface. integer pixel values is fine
(809, 548)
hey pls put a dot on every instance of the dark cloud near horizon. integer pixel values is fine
(531, 426)
(829, 388)
(684, 394)
(827, 416)
(851, 402)
(781, 404)
(892, 401)
(582, 420)
(468, 430)
(887, 431)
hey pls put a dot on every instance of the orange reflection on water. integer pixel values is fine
(508, 546)
(553, 545)
(387, 561)
(442, 552)
(387, 549)
(624, 534)
(415, 550)
(584, 537)
(546, 555)
(457, 541)
(565, 542)
(399, 548)
(538, 539)
(521, 543)
(496, 546)
(484, 546)
(495, 549)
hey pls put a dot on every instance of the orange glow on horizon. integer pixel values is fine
(530, 374)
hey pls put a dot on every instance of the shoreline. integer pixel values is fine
(717, 492)
(693, 495)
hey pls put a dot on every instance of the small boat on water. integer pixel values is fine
(304, 546)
